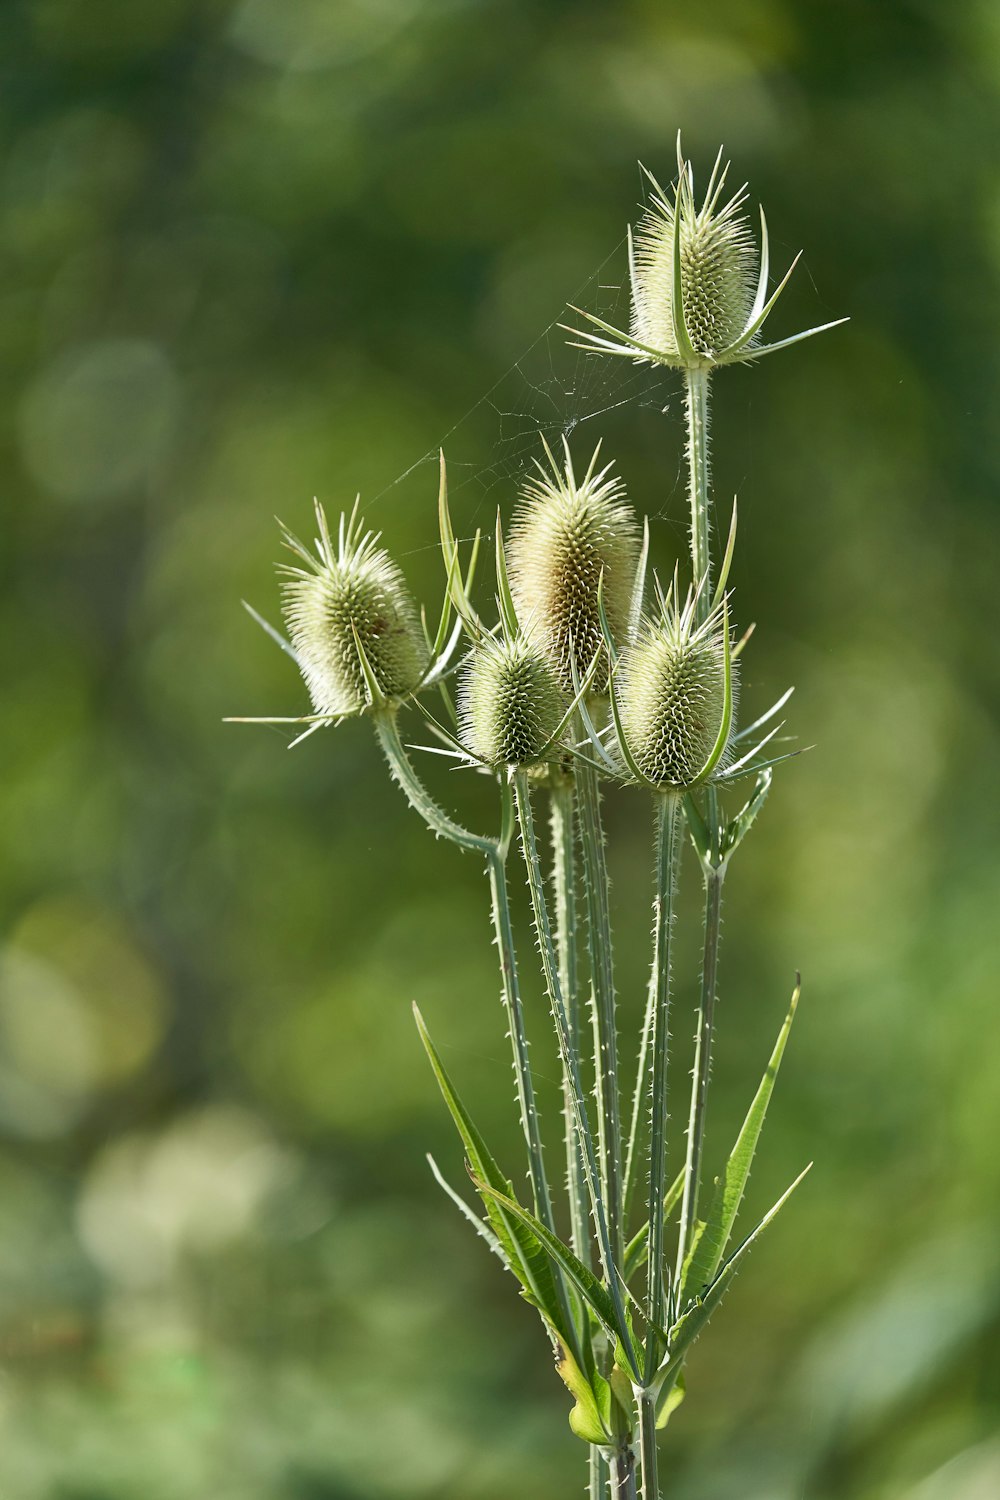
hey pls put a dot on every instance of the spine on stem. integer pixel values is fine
(494, 853)
(596, 884)
(562, 822)
(610, 1258)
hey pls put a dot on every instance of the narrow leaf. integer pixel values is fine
(635, 1250)
(482, 1229)
(738, 828)
(687, 1328)
(593, 1291)
(712, 1237)
(670, 1402)
(528, 1260)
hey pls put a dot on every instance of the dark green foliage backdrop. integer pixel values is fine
(251, 252)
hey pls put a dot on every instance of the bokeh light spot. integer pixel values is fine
(100, 419)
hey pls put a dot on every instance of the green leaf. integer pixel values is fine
(739, 826)
(635, 1250)
(670, 1401)
(712, 1236)
(590, 1418)
(690, 1324)
(593, 1291)
(481, 1228)
(698, 829)
(528, 1260)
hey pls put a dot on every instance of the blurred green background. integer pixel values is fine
(258, 251)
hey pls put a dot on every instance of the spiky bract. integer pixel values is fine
(510, 702)
(718, 270)
(672, 695)
(567, 535)
(345, 595)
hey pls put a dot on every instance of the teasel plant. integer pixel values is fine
(589, 676)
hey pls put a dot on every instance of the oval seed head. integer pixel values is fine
(353, 587)
(718, 271)
(671, 695)
(510, 702)
(565, 537)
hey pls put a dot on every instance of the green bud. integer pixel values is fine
(565, 537)
(671, 694)
(345, 596)
(510, 702)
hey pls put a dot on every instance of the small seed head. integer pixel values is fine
(672, 699)
(353, 587)
(510, 702)
(718, 266)
(566, 536)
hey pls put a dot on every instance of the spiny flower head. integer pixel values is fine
(510, 702)
(671, 690)
(345, 600)
(699, 286)
(567, 535)
(717, 265)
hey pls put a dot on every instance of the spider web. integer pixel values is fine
(552, 392)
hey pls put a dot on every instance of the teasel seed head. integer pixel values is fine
(347, 599)
(718, 270)
(510, 702)
(671, 690)
(566, 537)
(699, 284)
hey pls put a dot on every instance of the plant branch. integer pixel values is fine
(571, 1063)
(696, 412)
(596, 887)
(494, 852)
(563, 828)
(647, 1445)
(668, 826)
(714, 877)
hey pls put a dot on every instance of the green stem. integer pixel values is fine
(668, 844)
(623, 1475)
(596, 887)
(571, 1062)
(494, 852)
(648, 1456)
(562, 824)
(639, 1098)
(714, 877)
(696, 411)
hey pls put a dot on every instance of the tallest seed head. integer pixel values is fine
(567, 536)
(718, 267)
(699, 285)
